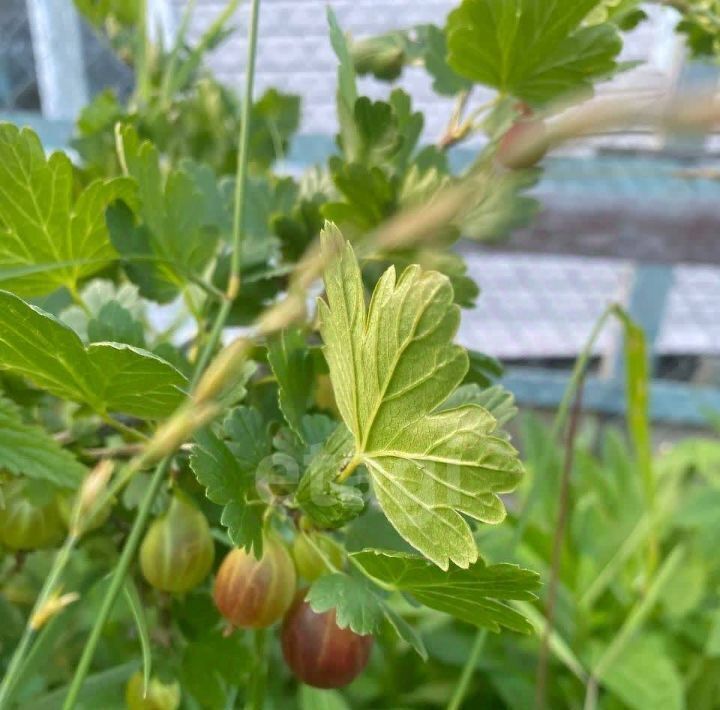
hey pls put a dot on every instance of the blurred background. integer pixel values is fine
(626, 217)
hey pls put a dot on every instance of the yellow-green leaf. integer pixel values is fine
(108, 377)
(392, 365)
(48, 237)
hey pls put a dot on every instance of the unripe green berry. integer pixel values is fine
(66, 504)
(26, 524)
(178, 551)
(160, 696)
(252, 593)
(309, 562)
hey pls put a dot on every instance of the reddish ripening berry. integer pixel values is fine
(252, 593)
(29, 521)
(318, 651)
(524, 145)
(178, 551)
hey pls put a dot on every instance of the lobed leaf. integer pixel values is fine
(354, 601)
(227, 469)
(535, 50)
(392, 365)
(292, 365)
(29, 451)
(108, 377)
(358, 606)
(48, 237)
(477, 595)
(328, 503)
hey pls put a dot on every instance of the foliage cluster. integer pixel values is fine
(349, 429)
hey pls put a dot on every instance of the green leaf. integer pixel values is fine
(501, 206)
(369, 196)
(377, 127)
(434, 52)
(48, 237)
(354, 601)
(477, 595)
(316, 699)
(347, 93)
(227, 470)
(496, 399)
(626, 14)
(535, 51)
(358, 606)
(644, 676)
(29, 451)
(484, 369)
(410, 125)
(108, 377)
(213, 664)
(244, 523)
(292, 365)
(97, 294)
(180, 220)
(217, 469)
(115, 323)
(327, 503)
(274, 119)
(248, 436)
(405, 631)
(391, 366)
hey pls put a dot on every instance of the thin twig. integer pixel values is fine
(560, 524)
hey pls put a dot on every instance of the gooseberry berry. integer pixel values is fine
(178, 551)
(318, 651)
(255, 593)
(523, 145)
(160, 696)
(29, 519)
(306, 551)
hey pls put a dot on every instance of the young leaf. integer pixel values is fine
(114, 323)
(368, 196)
(347, 93)
(213, 663)
(477, 595)
(535, 51)
(108, 377)
(501, 206)
(358, 606)
(391, 366)
(48, 237)
(244, 523)
(180, 220)
(27, 450)
(434, 52)
(228, 469)
(352, 598)
(217, 469)
(95, 296)
(292, 365)
(326, 502)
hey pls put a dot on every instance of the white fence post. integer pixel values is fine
(59, 66)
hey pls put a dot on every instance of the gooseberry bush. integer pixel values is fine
(183, 506)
